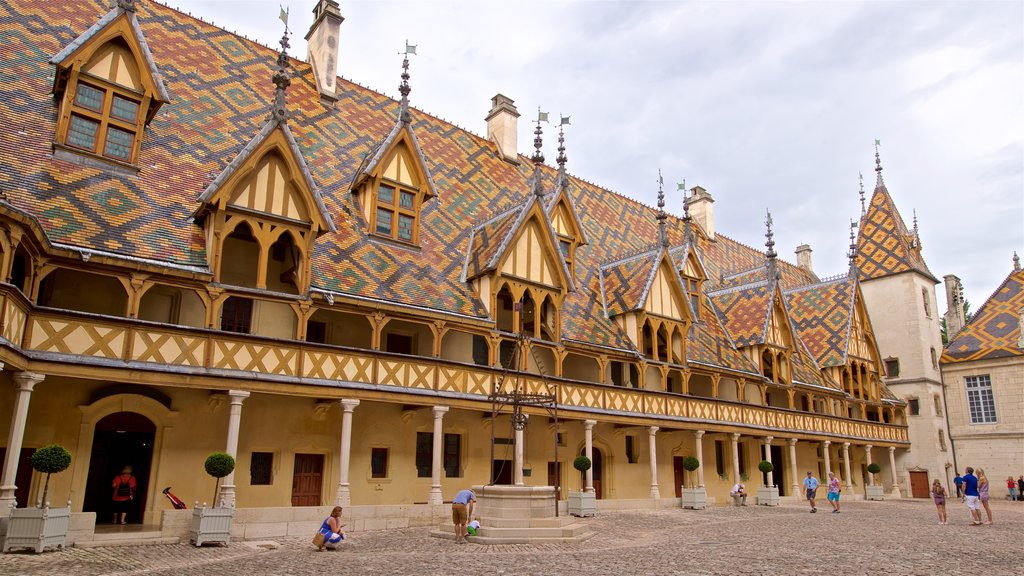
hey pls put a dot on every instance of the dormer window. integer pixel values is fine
(104, 119)
(395, 212)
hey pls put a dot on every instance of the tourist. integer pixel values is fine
(332, 530)
(124, 485)
(811, 486)
(739, 494)
(971, 496)
(1020, 488)
(959, 483)
(833, 492)
(983, 494)
(939, 496)
(1011, 487)
(462, 511)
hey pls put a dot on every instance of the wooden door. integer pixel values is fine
(307, 479)
(680, 474)
(919, 485)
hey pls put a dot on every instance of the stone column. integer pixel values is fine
(699, 453)
(24, 382)
(892, 471)
(588, 427)
(344, 496)
(227, 489)
(828, 457)
(517, 463)
(846, 466)
(768, 457)
(793, 471)
(652, 432)
(867, 453)
(438, 454)
(735, 458)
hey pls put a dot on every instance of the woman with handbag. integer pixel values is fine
(331, 532)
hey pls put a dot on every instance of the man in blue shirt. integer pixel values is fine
(959, 483)
(971, 496)
(811, 485)
(462, 511)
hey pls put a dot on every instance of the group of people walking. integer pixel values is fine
(973, 490)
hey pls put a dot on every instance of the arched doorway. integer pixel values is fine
(595, 465)
(121, 439)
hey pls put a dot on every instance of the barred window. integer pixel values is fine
(378, 462)
(261, 467)
(980, 401)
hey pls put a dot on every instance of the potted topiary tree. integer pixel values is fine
(584, 502)
(40, 527)
(768, 493)
(213, 524)
(874, 490)
(693, 494)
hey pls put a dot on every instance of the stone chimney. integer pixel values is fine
(954, 306)
(701, 210)
(502, 127)
(322, 43)
(803, 257)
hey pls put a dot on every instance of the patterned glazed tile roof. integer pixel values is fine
(885, 246)
(625, 283)
(821, 314)
(710, 344)
(744, 312)
(489, 240)
(220, 96)
(994, 331)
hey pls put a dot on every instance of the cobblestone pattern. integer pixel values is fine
(867, 538)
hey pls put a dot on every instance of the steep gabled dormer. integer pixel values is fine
(644, 296)
(561, 211)
(108, 89)
(263, 212)
(391, 188)
(516, 267)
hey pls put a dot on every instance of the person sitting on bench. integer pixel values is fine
(739, 495)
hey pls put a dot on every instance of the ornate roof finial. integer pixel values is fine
(878, 165)
(126, 5)
(917, 237)
(686, 197)
(852, 254)
(863, 207)
(538, 157)
(661, 217)
(282, 75)
(1016, 262)
(770, 244)
(563, 179)
(404, 88)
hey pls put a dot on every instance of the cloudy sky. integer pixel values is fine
(767, 105)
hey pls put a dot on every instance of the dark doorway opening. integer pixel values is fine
(595, 465)
(23, 480)
(121, 439)
(778, 470)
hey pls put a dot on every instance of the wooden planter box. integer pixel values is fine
(694, 498)
(37, 528)
(211, 525)
(582, 504)
(767, 495)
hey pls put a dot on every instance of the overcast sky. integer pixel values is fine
(767, 105)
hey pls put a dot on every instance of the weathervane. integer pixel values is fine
(863, 209)
(878, 164)
(853, 244)
(404, 88)
(282, 77)
(563, 179)
(770, 244)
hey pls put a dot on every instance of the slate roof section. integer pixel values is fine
(994, 331)
(885, 246)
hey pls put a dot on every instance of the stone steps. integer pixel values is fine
(147, 538)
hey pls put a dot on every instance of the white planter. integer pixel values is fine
(211, 525)
(767, 495)
(875, 492)
(37, 528)
(582, 504)
(694, 498)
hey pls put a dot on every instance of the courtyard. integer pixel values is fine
(892, 538)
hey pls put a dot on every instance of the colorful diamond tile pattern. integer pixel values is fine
(884, 244)
(221, 93)
(994, 331)
(625, 282)
(821, 315)
(744, 312)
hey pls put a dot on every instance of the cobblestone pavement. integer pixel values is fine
(891, 538)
